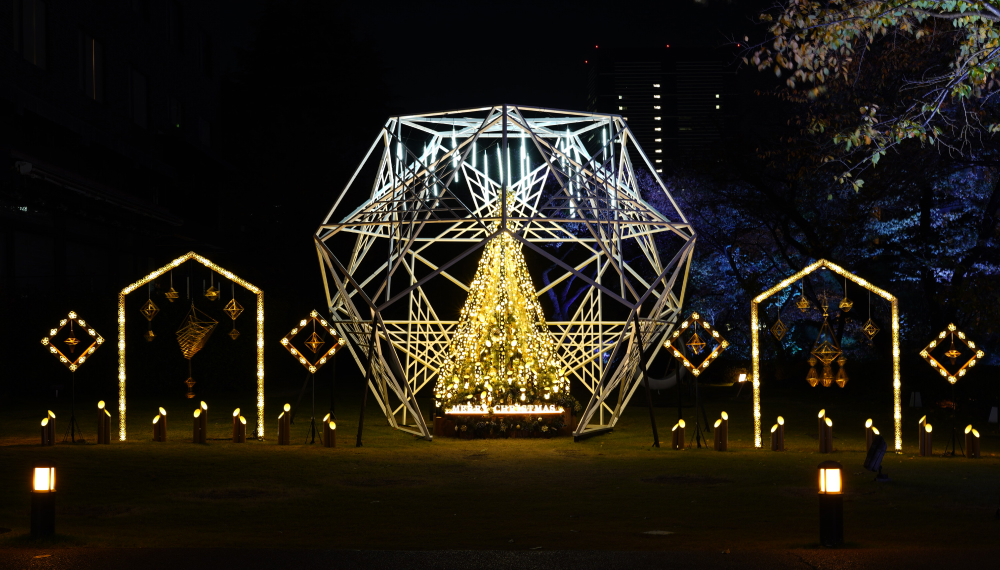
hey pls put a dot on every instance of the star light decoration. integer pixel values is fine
(952, 354)
(314, 343)
(721, 345)
(96, 341)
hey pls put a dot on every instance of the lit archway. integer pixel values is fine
(157, 273)
(754, 327)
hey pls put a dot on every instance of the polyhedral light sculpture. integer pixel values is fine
(568, 186)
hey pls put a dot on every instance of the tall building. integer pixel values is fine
(678, 103)
(108, 126)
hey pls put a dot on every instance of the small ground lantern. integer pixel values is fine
(196, 434)
(927, 449)
(236, 427)
(722, 433)
(822, 431)
(285, 425)
(778, 435)
(678, 435)
(827, 435)
(971, 442)
(102, 424)
(203, 417)
(329, 432)
(43, 500)
(831, 504)
(47, 438)
(241, 433)
(921, 434)
(869, 434)
(160, 426)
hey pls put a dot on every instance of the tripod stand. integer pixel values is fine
(73, 425)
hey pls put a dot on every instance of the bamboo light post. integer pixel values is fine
(827, 445)
(678, 435)
(197, 435)
(971, 442)
(869, 434)
(329, 432)
(101, 428)
(236, 427)
(778, 435)
(722, 433)
(47, 437)
(284, 425)
(203, 417)
(822, 430)
(921, 435)
(241, 431)
(928, 449)
(160, 426)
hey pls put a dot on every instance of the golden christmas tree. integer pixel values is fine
(502, 356)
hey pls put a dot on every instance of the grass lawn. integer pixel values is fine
(398, 492)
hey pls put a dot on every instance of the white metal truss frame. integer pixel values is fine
(445, 184)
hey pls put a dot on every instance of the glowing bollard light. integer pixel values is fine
(678, 435)
(285, 425)
(722, 433)
(971, 442)
(329, 432)
(828, 434)
(202, 423)
(48, 437)
(778, 435)
(236, 427)
(197, 435)
(822, 431)
(43, 500)
(160, 426)
(927, 449)
(831, 504)
(241, 431)
(103, 424)
(870, 433)
(921, 434)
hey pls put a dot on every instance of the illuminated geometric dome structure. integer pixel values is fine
(400, 245)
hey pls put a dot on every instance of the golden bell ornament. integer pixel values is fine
(827, 376)
(812, 378)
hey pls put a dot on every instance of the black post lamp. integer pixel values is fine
(43, 500)
(831, 504)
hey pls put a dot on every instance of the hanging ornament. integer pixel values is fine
(870, 328)
(779, 329)
(953, 353)
(149, 310)
(233, 309)
(842, 372)
(71, 341)
(802, 303)
(314, 342)
(811, 377)
(825, 349)
(695, 344)
(96, 341)
(212, 294)
(696, 320)
(192, 336)
(171, 295)
(845, 303)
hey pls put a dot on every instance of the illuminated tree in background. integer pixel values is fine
(502, 352)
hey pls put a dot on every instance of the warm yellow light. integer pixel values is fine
(922, 420)
(781, 421)
(156, 419)
(163, 412)
(504, 409)
(928, 428)
(822, 413)
(100, 405)
(197, 412)
(52, 414)
(829, 481)
(875, 430)
(968, 428)
(975, 432)
(281, 415)
(828, 421)
(868, 423)
(725, 416)
(243, 420)
(326, 418)
(45, 422)
(333, 425)
(681, 423)
(45, 479)
(743, 378)
(236, 413)
(718, 423)
(774, 428)
(288, 407)
(204, 406)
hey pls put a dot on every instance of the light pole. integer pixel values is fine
(43, 500)
(831, 504)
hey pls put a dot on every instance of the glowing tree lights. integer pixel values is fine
(502, 351)
(440, 188)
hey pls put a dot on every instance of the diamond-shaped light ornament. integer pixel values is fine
(95, 342)
(870, 329)
(952, 377)
(674, 349)
(314, 342)
(803, 303)
(149, 309)
(779, 329)
(212, 294)
(233, 334)
(233, 309)
(846, 304)
(172, 295)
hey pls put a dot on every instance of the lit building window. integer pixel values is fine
(656, 96)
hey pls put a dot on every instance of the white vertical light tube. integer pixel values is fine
(454, 148)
